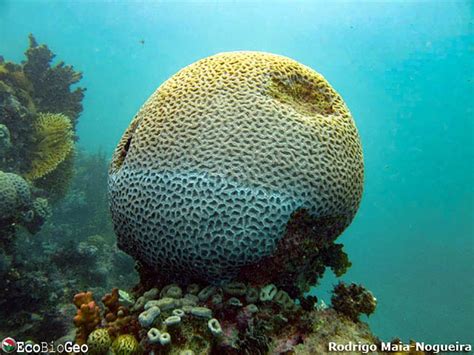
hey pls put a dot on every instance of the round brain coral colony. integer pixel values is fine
(242, 159)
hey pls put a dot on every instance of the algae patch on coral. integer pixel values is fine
(309, 97)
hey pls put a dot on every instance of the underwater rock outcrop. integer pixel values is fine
(38, 114)
(39, 110)
(230, 162)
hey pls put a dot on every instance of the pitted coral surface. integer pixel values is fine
(207, 175)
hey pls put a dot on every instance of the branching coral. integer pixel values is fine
(117, 317)
(51, 85)
(111, 302)
(88, 316)
(54, 143)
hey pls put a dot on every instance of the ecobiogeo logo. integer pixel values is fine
(8, 345)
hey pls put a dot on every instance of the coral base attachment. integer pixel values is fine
(298, 262)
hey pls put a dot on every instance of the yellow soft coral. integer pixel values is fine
(54, 139)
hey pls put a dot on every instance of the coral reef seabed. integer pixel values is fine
(56, 240)
(235, 318)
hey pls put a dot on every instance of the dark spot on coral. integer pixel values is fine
(126, 147)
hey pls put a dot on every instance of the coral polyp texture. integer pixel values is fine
(213, 166)
(14, 194)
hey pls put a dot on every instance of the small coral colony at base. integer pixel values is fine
(228, 189)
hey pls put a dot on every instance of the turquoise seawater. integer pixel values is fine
(406, 71)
